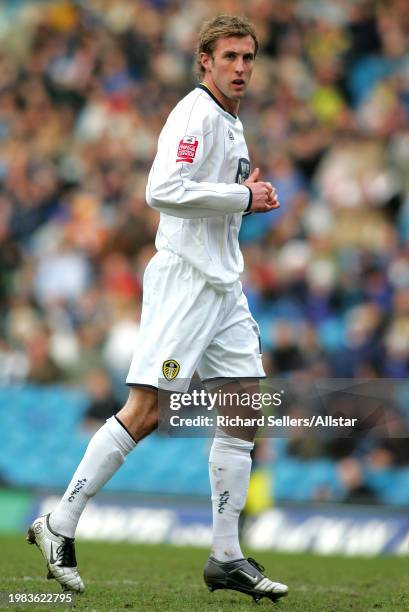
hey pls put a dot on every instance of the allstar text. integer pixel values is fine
(262, 421)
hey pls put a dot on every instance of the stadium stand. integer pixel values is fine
(84, 91)
(54, 416)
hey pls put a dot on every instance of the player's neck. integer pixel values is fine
(231, 106)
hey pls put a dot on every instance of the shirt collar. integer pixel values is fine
(207, 90)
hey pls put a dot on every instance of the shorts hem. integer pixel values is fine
(156, 388)
(132, 384)
(204, 380)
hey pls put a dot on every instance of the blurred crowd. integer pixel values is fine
(85, 88)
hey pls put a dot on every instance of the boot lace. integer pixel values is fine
(66, 553)
(254, 563)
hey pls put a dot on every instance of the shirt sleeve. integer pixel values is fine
(173, 184)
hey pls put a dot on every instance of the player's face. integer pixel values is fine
(229, 68)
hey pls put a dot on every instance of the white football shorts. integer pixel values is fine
(187, 326)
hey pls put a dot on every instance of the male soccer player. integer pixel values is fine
(195, 315)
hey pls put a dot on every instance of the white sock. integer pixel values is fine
(105, 454)
(229, 469)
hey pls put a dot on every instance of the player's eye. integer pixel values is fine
(230, 55)
(249, 57)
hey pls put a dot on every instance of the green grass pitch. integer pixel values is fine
(164, 578)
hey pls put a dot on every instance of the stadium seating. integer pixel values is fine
(52, 418)
(46, 439)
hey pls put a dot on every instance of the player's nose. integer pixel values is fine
(239, 67)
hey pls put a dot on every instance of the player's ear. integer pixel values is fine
(205, 60)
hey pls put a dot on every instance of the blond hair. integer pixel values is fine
(221, 26)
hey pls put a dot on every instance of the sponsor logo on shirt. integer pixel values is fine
(230, 133)
(187, 149)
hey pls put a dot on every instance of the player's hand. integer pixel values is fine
(264, 195)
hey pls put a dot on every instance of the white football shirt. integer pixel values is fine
(195, 183)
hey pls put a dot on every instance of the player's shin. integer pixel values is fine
(229, 470)
(105, 454)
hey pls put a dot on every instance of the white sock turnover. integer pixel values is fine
(105, 454)
(229, 470)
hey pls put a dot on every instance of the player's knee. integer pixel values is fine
(148, 416)
(151, 421)
(140, 413)
(148, 412)
(142, 403)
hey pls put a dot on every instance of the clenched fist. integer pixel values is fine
(264, 194)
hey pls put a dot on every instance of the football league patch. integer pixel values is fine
(187, 149)
(170, 369)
